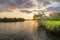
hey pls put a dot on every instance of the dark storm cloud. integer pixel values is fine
(44, 2)
(16, 4)
(10, 5)
(21, 3)
(26, 11)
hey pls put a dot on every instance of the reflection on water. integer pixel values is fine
(28, 30)
(35, 25)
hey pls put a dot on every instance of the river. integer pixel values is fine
(27, 30)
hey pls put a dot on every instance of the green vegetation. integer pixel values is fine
(53, 26)
(37, 17)
(54, 17)
(51, 23)
(11, 19)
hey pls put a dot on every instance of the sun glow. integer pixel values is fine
(16, 13)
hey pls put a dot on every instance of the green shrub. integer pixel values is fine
(52, 25)
(54, 17)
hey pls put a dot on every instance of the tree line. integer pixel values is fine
(11, 19)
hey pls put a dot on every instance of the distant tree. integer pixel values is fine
(11, 19)
(38, 16)
(54, 16)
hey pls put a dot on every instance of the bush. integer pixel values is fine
(54, 17)
(53, 26)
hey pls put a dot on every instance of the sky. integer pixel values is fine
(27, 8)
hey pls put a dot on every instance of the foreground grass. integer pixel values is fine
(53, 26)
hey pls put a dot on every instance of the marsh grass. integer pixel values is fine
(53, 26)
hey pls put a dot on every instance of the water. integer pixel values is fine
(27, 30)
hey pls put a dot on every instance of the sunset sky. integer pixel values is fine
(27, 8)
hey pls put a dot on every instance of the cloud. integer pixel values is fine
(10, 5)
(23, 3)
(46, 3)
(51, 5)
(15, 3)
(54, 6)
(57, 0)
(54, 9)
(2, 7)
(4, 4)
(26, 11)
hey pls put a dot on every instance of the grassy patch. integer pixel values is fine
(52, 25)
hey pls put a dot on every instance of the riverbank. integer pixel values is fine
(11, 19)
(52, 26)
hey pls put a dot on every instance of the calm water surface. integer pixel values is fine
(27, 30)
